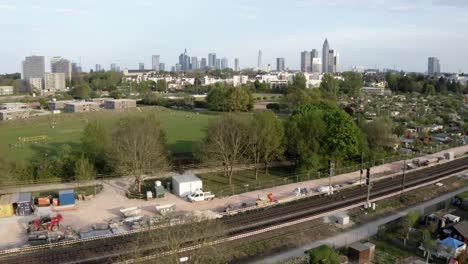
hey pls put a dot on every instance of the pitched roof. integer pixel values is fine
(462, 228)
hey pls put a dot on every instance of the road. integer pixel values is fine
(357, 234)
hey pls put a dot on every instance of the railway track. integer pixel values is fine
(100, 251)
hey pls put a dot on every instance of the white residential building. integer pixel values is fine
(54, 82)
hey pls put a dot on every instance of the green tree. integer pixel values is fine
(216, 98)
(265, 136)
(392, 81)
(298, 97)
(329, 85)
(138, 147)
(161, 85)
(352, 83)
(299, 81)
(81, 91)
(95, 141)
(399, 130)
(84, 170)
(407, 223)
(226, 142)
(238, 99)
(379, 134)
(323, 255)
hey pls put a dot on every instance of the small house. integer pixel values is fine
(184, 185)
(361, 253)
(460, 231)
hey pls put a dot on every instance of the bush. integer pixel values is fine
(323, 254)
(273, 106)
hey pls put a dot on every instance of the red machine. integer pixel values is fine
(45, 223)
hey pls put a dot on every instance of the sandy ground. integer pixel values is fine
(106, 205)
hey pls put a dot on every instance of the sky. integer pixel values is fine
(399, 34)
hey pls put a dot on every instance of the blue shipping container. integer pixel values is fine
(66, 197)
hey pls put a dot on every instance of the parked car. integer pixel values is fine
(199, 196)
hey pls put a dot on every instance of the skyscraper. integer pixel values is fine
(203, 64)
(141, 66)
(236, 65)
(306, 61)
(75, 67)
(162, 67)
(316, 65)
(259, 60)
(155, 62)
(194, 65)
(224, 63)
(184, 61)
(211, 61)
(218, 64)
(325, 57)
(98, 67)
(33, 67)
(113, 67)
(280, 64)
(433, 66)
(314, 54)
(61, 65)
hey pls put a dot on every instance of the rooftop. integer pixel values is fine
(185, 178)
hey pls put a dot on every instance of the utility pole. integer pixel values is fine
(369, 186)
(362, 168)
(330, 174)
(404, 179)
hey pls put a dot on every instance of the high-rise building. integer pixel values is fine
(333, 62)
(36, 83)
(212, 61)
(33, 67)
(162, 67)
(280, 64)
(194, 65)
(61, 65)
(113, 67)
(218, 64)
(306, 60)
(433, 66)
(155, 62)
(203, 64)
(184, 61)
(224, 63)
(178, 67)
(259, 60)
(98, 68)
(54, 82)
(314, 54)
(141, 66)
(316, 65)
(75, 67)
(325, 57)
(236, 65)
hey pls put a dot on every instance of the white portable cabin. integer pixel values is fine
(184, 185)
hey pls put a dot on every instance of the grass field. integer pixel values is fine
(183, 128)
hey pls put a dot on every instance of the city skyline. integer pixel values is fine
(418, 30)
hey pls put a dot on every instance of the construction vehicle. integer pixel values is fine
(45, 223)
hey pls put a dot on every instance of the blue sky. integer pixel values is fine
(382, 33)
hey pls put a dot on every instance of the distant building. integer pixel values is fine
(224, 63)
(212, 61)
(162, 67)
(57, 105)
(194, 63)
(218, 64)
(373, 90)
(61, 65)
(314, 54)
(80, 107)
(260, 60)
(203, 64)
(36, 83)
(280, 64)
(54, 82)
(325, 57)
(119, 104)
(98, 68)
(13, 106)
(306, 61)
(316, 65)
(236, 65)
(113, 67)
(141, 66)
(33, 67)
(178, 67)
(433, 66)
(156, 62)
(75, 67)
(6, 90)
(14, 114)
(184, 61)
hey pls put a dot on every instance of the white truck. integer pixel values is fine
(199, 196)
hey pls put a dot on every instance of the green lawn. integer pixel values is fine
(183, 128)
(217, 183)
